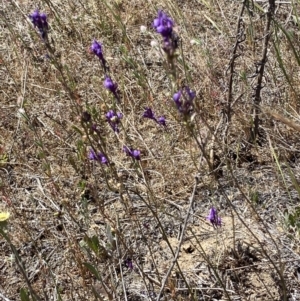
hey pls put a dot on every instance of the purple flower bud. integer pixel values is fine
(97, 157)
(113, 119)
(96, 48)
(39, 20)
(134, 153)
(149, 114)
(184, 100)
(112, 87)
(176, 97)
(213, 217)
(92, 155)
(162, 120)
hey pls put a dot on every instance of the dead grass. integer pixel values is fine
(71, 217)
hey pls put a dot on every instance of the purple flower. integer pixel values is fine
(97, 157)
(39, 20)
(129, 263)
(164, 25)
(112, 87)
(113, 119)
(96, 48)
(134, 153)
(150, 114)
(162, 120)
(184, 100)
(213, 217)
(176, 97)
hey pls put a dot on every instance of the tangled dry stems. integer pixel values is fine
(62, 204)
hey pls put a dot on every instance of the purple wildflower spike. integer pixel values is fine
(112, 87)
(213, 217)
(134, 153)
(162, 120)
(163, 24)
(39, 20)
(113, 119)
(184, 100)
(150, 114)
(96, 48)
(97, 157)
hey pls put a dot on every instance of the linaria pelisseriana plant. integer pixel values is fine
(125, 204)
(39, 21)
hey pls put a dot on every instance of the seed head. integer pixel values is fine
(86, 116)
(143, 28)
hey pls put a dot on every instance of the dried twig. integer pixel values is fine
(180, 240)
(261, 68)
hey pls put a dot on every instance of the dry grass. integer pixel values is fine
(76, 226)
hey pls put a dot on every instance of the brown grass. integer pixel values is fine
(61, 203)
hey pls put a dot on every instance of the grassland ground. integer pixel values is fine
(136, 228)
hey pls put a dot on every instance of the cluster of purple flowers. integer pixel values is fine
(163, 25)
(184, 100)
(213, 217)
(133, 153)
(113, 119)
(39, 20)
(150, 114)
(96, 48)
(99, 157)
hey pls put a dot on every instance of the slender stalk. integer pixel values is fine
(261, 69)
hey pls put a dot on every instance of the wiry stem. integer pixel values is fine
(261, 66)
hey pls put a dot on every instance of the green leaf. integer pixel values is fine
(93, 243)
(24, 295)
(93, 270)
(77, 129)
